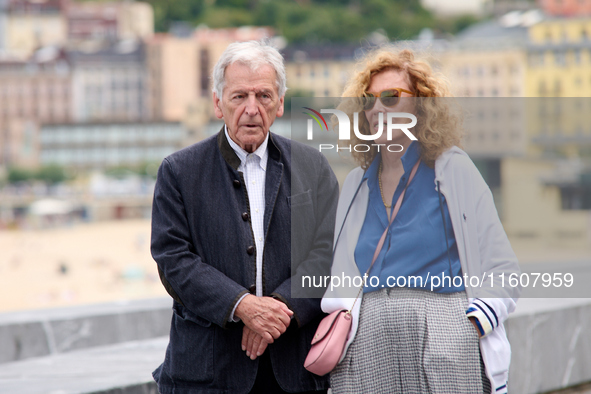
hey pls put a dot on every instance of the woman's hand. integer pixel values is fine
(473, 321)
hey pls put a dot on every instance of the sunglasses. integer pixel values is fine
(388, 97)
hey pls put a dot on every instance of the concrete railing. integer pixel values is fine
(550, 344)
(112, 348)
(41, 333)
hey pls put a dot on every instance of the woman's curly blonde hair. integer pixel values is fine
(438, 127)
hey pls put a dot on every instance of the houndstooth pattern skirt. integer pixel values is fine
(412, 341)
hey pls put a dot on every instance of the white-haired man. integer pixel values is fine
(224, 213)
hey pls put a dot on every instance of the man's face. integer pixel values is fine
(249, 104)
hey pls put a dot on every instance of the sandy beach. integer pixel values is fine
(81, 264)
(109, 261)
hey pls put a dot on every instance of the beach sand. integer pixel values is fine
(110, 261)
(81, 264)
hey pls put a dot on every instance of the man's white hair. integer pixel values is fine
(254, 54)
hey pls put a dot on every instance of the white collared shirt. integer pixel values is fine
(254, 168)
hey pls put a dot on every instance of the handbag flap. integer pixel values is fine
(326, 324)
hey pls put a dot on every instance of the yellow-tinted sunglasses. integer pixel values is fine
(389, 97)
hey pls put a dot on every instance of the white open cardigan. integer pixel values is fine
(482, 244)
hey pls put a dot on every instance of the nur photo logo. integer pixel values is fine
(344, 129)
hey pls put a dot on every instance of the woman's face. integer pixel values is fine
(389, 79)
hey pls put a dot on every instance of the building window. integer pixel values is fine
(560, 58)
(532, 59)
(536, 59)
(514, 69)
(577, 196)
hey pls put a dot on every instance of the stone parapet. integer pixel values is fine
(39, 333)
(113, 348)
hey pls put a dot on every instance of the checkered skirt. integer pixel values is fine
(412, 341)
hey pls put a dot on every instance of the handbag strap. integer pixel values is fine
(393, 214)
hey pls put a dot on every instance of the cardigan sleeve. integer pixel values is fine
(494, 299)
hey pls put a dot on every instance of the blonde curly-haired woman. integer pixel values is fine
(426, 336)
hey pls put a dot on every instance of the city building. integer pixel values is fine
(31, 92)
(536, 147)
(109, 21)
(110, 83)
(173, 83)
(559, 58)
(319, 70)
(3, 26)
(502, 7)
(487, 60)
(566, 8)
(105, 145)
(27, 25)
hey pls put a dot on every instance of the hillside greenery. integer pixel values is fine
(310, 21)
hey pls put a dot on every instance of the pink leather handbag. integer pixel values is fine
(328, 342)
(333, 331)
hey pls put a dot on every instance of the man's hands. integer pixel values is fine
(265, 319)
(252, 343)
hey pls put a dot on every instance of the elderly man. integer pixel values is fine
(222, 232)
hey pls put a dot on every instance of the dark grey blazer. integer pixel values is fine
(202, 241)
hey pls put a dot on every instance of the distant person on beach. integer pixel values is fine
(221, 236)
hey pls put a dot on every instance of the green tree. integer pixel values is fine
(18, 175)
(167, 11)
(216, 17)
(51, 174)
(312, 20)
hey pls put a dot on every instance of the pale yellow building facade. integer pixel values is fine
(173, 75)
(489, 72)
(319, 78)
(24, 33)
(542, 142)
(559, 58)
(135, 20)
